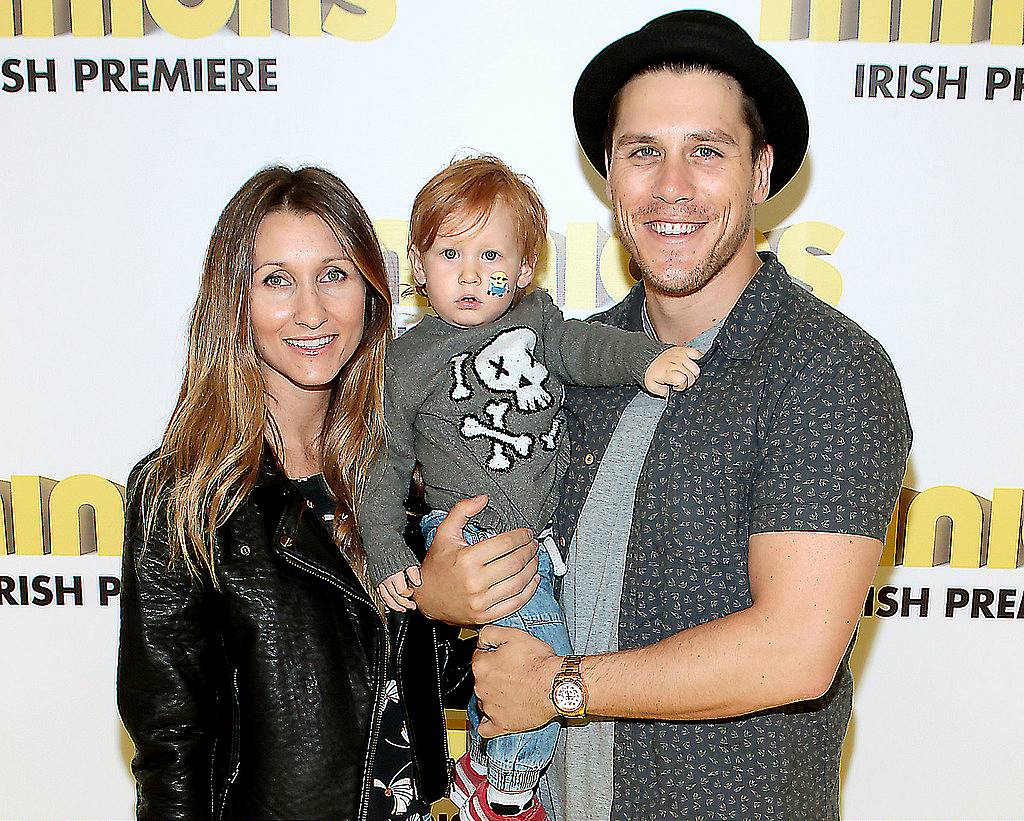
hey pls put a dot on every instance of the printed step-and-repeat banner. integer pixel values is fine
(127, 124)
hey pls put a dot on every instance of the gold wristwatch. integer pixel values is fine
(568, 692)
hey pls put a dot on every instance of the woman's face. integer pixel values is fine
(306, 302)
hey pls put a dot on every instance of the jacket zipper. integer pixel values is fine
(379, 689)
(444, 722)
(213, 780)
(295, 561)
(331, 580)
(371, 747)
(235, 731)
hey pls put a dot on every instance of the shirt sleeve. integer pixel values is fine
(381, 510)
(592, 354)
(835, 452)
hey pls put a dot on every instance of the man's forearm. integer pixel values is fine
(808, 591)
(730, 666)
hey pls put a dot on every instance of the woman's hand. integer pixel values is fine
(475, 584)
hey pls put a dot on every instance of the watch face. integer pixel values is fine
(568, 696)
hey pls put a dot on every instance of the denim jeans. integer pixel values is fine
(514, 762)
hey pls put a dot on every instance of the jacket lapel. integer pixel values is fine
(296, 534)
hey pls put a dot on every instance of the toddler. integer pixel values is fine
(474, 395)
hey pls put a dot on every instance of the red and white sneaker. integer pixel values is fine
(465, 781)
(479, 810)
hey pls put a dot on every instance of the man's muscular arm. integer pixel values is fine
(808, 591)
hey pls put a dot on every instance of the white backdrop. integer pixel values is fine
(109, 198)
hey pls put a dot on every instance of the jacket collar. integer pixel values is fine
(295, 533)
(750, 317)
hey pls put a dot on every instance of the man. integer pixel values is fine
(720, 544)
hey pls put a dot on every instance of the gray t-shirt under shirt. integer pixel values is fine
(579, 784)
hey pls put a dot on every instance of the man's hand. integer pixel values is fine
(674, 369)
(513, 672)
(475, 584)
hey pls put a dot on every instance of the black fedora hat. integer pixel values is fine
(703, 37)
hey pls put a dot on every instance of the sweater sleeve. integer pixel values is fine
(381, 512)
(593, 354)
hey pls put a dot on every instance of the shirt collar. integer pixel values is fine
(754, 311)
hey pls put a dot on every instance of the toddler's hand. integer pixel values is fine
(674, 369)
(397, 589)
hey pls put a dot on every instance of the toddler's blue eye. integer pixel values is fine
(449, 253)
(490, 256)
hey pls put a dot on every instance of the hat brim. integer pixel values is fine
(698, 37)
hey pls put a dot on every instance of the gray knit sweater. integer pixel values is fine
(480, 410)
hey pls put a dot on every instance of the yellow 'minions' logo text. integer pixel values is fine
(349, 19)
(950, 525)
(906, 21)
(78, 515)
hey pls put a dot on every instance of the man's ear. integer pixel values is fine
(416, 261)
(526, 271)
(763, 173)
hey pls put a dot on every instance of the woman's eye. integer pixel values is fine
(449, 253)
(274, 280)
(491, 256)
(334, 275)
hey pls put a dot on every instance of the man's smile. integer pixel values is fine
(673, 229)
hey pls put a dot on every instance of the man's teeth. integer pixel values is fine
(310, 344)
(674, 229)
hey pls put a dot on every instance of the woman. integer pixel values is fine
(256, 674)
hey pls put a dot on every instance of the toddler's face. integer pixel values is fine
(471, 276)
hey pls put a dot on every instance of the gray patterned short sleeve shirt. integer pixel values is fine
(797, 423)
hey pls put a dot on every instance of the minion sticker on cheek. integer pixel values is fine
(498, 284)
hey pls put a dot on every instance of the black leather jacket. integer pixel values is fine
(255, 700)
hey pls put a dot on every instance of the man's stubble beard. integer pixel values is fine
(686, 282)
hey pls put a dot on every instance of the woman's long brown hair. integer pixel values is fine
(211, 453)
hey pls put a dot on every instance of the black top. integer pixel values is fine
(797, 423)
(394, 794)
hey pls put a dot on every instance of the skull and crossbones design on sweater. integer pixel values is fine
(480, 409)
